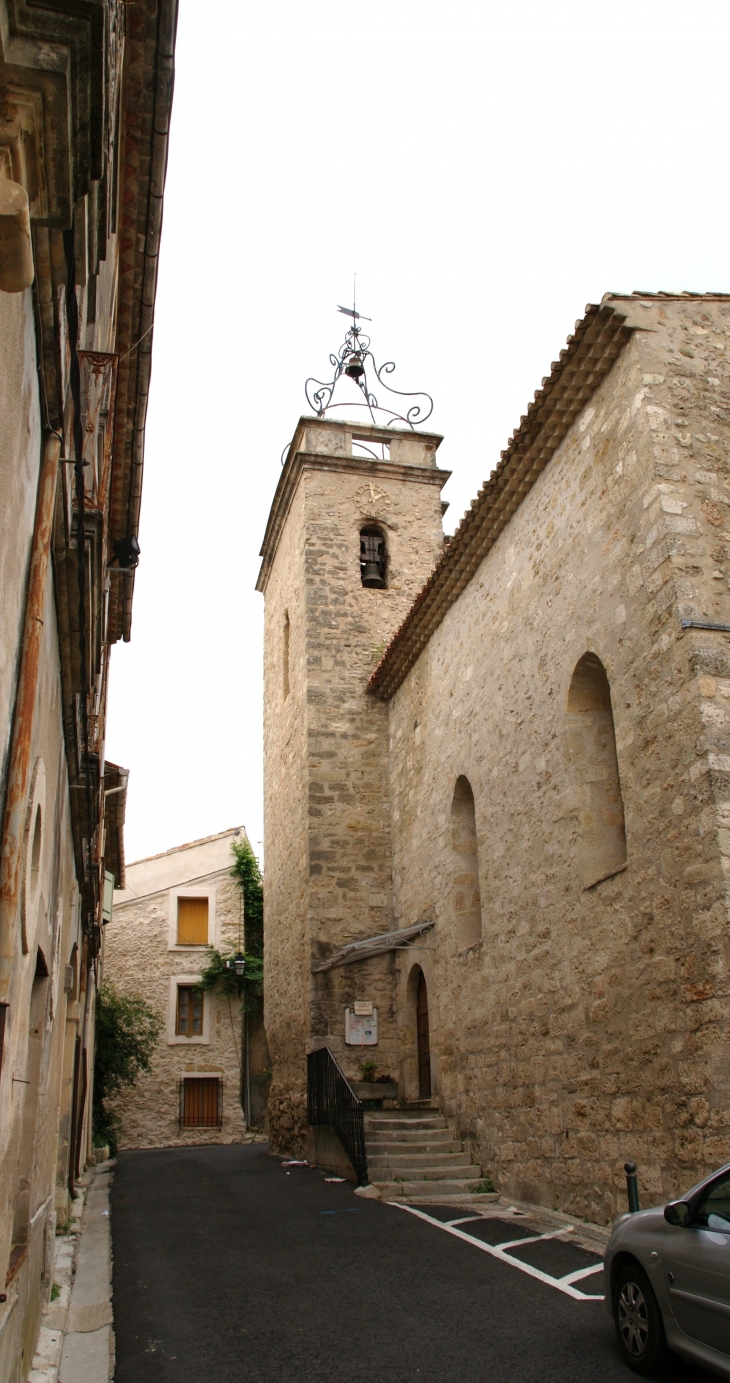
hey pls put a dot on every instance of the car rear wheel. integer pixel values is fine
(638, 1320)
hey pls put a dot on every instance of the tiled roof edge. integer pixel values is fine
(659, 296)
(190, 845)
(589, 354)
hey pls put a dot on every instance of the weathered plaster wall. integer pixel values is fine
(328, 873)
(140, 959)
(587, 1026)
(20, 452)
(32, 1144)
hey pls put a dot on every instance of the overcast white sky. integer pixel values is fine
(488, 169)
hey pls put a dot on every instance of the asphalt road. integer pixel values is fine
(227, 1268)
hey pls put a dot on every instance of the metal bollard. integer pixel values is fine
(632, 1187)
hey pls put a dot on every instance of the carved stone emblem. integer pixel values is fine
(371, 498)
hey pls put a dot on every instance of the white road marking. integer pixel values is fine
(560, 1284)
(582, 1272)
(536, 1238)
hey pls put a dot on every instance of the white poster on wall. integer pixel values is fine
(361, 1030)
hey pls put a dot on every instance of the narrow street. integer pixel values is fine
(229, 1266)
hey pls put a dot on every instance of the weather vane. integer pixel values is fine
(351, 360)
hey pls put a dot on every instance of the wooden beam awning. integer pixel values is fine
(372, 946)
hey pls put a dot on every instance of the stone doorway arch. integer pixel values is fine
(423, 1036)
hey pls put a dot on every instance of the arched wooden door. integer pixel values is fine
(424, 1045)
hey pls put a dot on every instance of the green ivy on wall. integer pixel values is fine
(219, 971)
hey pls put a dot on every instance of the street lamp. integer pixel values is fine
(239, 964)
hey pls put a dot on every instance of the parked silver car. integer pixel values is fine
(667, 1275)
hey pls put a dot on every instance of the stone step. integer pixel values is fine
(412, 1135)
(408, 1115)
(437, 1197)
(464, 1171)
(458, 1188)
(415, 1162)
(377, 1122)
(385, 1146)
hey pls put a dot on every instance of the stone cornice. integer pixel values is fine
(147, 89)
(300, 461)
(598, 340)
(85, 102)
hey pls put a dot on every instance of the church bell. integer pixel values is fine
(354, 367)
(372, 560)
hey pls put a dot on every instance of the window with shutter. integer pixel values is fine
(189, 1013)
(201, 1102)
(192, 921)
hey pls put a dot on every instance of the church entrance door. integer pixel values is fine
(424, 1046)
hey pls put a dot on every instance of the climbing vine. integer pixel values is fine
(219, 972)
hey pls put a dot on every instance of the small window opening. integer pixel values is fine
(189, 1014)
(467, 895)
(192, 921)
(287, 628)
(594, 769)
(371, 447)
(373, 558)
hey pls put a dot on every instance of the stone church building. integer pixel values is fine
(513, 745)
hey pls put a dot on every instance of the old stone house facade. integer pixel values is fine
(85, 103)
(172, 908)
(519, 739)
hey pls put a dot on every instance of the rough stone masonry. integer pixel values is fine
(547, 670)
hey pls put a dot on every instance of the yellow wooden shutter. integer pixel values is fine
(192, 921)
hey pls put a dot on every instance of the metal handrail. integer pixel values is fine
(331, 1100)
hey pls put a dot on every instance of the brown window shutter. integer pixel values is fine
(201, 1102)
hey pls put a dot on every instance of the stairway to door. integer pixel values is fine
(415, 1155)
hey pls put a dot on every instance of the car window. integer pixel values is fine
(713, 1211)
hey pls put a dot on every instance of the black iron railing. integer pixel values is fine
(331, 1100)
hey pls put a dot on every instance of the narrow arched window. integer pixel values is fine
(285, 654)
(467, 896)
(373, 558)
(594, 771)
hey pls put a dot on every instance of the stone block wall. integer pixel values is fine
(588, 1025)
(328, 852)
(138, 960)
(286, 944)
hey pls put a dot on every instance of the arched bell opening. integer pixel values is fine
(373, 558)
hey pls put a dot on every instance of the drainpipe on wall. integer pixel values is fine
(20, 749)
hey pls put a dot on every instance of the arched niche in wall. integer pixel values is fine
(34, 843)
(466, 892)
(286, 633)
(30, 1083)
(594, 772)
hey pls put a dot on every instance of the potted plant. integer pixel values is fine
(374, 1085)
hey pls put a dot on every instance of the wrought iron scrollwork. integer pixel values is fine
(352, 361)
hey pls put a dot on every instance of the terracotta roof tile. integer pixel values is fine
(587, 358)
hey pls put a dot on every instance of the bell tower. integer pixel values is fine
(353, 534)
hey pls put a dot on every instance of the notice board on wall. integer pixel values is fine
(361, 1030)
